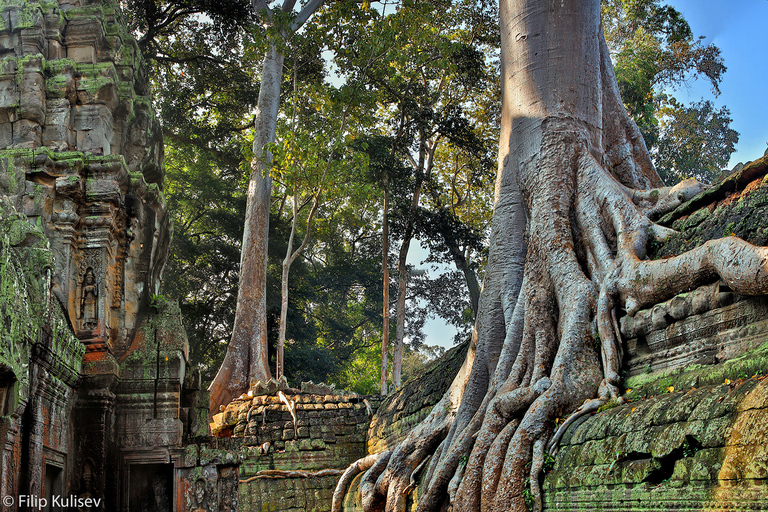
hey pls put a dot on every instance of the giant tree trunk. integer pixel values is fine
(246, 359)
(569, 236)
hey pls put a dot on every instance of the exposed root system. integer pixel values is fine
(576, 196)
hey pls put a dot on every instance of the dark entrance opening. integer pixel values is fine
(150, 488)
(52, 487)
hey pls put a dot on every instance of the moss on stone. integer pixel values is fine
(728, 208)
(26, 12)
(752, 362)
(402, 410)
(25, 305)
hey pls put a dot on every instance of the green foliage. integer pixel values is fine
(205, 199)
(156, 301)
(653, 48)
(696, 141)
(334, 142)
(361, 374)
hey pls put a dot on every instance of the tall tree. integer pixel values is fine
(205, 74)
(315, 163)
(568, 247)
(655, 52)
(424, 79)
(246, 359)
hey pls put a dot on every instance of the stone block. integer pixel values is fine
(11, 42)
(27, 134)
(32, 92)
(82, 54)
(93, 141)
(9, 96)
(69, 186)
(84, 31)
(55, 50)
(33, 40)
(6, 135)
(92, 117)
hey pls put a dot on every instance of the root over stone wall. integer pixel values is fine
(692, 435)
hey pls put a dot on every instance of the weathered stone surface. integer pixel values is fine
(107, 418)
(301, 440)
(40, 358)
(679, 462)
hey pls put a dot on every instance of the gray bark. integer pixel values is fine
(569, 236)
(246, 359)
(385, 279)
(290, 257)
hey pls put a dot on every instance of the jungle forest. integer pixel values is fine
(524, 151)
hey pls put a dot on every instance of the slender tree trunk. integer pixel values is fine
(290, 257)
(422, 168)
(246, 360)
(402, 283)
(287, 261)
(385, 268)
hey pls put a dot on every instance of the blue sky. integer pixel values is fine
(737, 27)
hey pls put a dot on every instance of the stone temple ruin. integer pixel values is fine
(97, 397)
(97, 391)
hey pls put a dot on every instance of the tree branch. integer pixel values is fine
(305, 13)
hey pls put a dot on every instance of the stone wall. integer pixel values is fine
(406, 407)
(699, 449)
(290, 450)
(40, 362)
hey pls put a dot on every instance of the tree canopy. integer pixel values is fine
(420, 105)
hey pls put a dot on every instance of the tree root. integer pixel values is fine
(279, 474)
(351, 472)
(588, 407)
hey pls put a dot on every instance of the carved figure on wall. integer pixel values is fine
(199, 495)
(86, 487)
(228, 493)
(89, 313)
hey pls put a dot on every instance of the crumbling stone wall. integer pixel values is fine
(40, 361)
(698, 449)
(404, 409)
(81, 158)
(290, 449)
